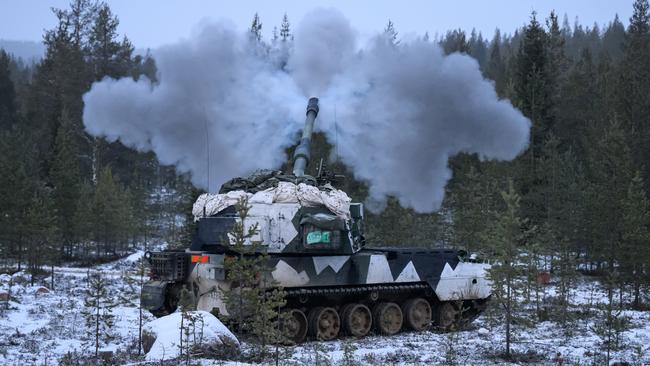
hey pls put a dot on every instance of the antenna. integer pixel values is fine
(207, 145)
(207, 153)
(320, 167)
(336, 134)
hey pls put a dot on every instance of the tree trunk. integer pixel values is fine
(97, 328)
(508, 316)
(140, 314)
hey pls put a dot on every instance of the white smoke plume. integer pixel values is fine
(216, 89)
(401, 110)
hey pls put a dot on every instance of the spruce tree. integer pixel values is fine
(470, 210)
(285, 31)
(7, 94)
(391, 32)
(613, 39)
(18, 184)
(455, 41)
(531, 63)
(478, 48)
(256, 28)
(496, 68)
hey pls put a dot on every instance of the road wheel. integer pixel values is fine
(357, 319)
(387, 318)
(417, 313)
(448, 316)
(294, 325)
(324, 323)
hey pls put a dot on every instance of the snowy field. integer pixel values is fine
(40, 328)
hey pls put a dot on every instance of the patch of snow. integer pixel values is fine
(166, 331)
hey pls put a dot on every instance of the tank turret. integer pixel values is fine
(294, 213)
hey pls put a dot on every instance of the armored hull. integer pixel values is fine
(313, 236)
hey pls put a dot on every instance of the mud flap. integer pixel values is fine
(153, 296)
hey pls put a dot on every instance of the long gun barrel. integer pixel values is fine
(301, 155)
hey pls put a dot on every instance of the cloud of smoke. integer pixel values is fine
(217, 89)
(402, 110)
(324, 46)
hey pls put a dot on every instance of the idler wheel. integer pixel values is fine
(357, 319)
(388, 318)
(417, 313)
(324, 323)
(294, 325)
(448, 317)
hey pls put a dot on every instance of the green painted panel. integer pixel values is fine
(316, 237)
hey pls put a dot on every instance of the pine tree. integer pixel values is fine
(65, 177)
(503, 238)
(565, 221)
(98, 310)
(84, 228)
(634, 84)
(636, 235)
(111, 214)
(18, 183)
(135, 278)
(254, 304)
(610, 171)
(109, 56)
(39, 230)
(186, 304)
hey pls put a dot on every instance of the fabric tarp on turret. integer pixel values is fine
(335, 200)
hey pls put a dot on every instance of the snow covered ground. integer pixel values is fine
(40, 328)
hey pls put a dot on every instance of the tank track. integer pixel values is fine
(344, 290)
(327, 312)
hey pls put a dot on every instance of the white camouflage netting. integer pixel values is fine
(335, 200)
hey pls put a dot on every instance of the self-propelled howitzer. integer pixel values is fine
(313, 234)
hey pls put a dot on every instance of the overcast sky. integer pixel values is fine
(151, 23)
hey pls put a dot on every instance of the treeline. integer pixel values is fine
(64, 194)
(582, 185)
(583, 182)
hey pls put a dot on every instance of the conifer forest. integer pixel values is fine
(524, 152)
